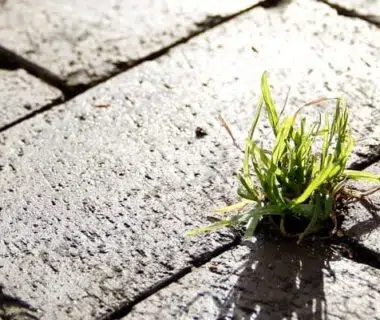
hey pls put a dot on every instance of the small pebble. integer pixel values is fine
(200, 132)
(340, 233)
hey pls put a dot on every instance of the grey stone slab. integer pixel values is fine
(85, 41)
(269, 280)
(369, 9)
(97, 193)
(363, 218)
(22, 94)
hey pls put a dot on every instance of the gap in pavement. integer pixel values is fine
(47, 107)
(7, 63)
(14, 61)
(11, 60)
(362, 255)
(368, 159)
(19, 307)
(352, 13)
(124, 309)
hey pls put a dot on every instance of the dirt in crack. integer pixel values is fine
(345, 246)
(350, 248)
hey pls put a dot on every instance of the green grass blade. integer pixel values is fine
(249, 192)
(313, 220)
(330, 170)
(260, 155)
(251, 226)
(361, 175)
(283, 135)
(233, 207)
(269, 103)
(209, 228)
(246, 170)
(255, 120)
(327, 136)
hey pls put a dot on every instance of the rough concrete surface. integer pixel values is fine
(84, 41)
(97, 193)
(368, 9)
(22, 94)
(363, 220)
(269, 280)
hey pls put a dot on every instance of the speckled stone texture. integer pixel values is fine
(84, 41)
(269, 280)
(97, 193)
(22, 94)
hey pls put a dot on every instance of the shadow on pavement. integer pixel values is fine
(280, 280)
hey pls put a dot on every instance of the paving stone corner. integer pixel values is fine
(22, 94)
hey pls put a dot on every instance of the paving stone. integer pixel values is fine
(21, 94)
(97, 193)
(368, 8)
(269, 280)
(363, 218)
(83, 42)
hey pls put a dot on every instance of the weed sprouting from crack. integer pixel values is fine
(297, 181)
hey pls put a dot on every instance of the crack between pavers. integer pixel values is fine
(369, 160)
(12, 60)
(19, 307)
(365, 255)
(53, 103)
(197, 262)
(210, 22)
(352, 13)
(360, 254)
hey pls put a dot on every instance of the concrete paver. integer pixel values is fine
(85, 41)
(97, 193)
(269, 280)
(22, 94)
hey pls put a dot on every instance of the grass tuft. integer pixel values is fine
(303, 176)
